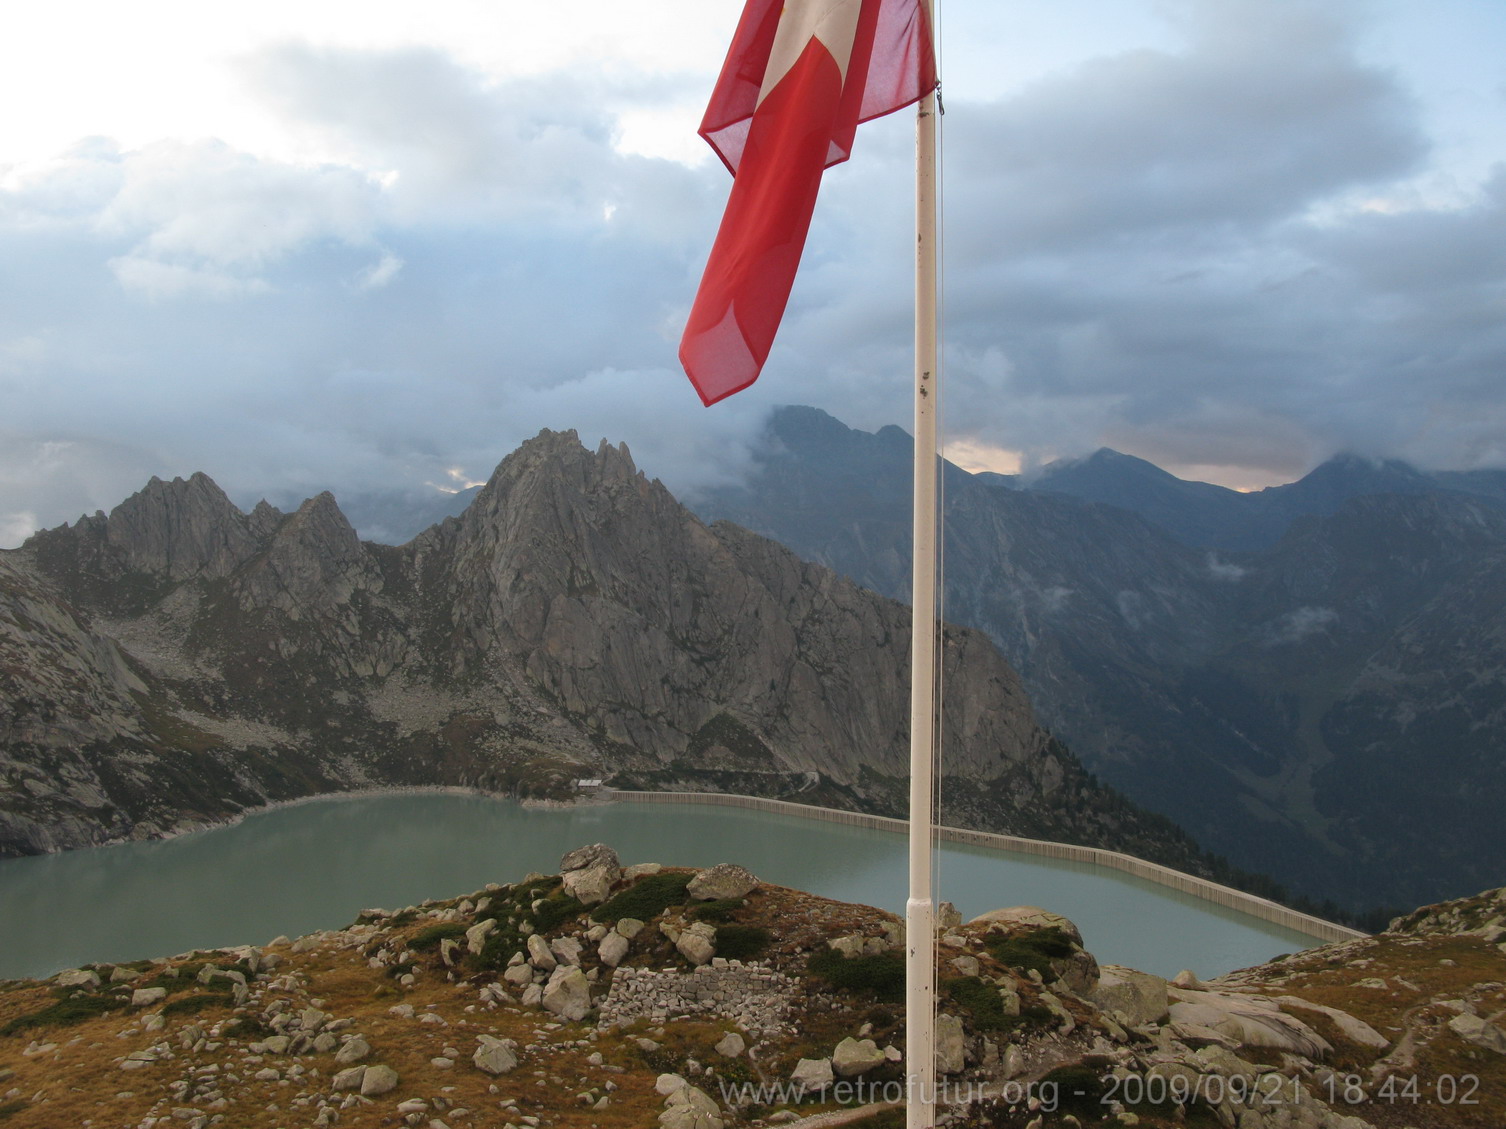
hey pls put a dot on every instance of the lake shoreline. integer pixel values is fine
(1204, 889)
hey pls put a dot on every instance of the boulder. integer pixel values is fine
(690, 1108)
(592, 885)
(613, 947)
(378, 1080)
(1355, 1030)
(349, 1079)
(584, 858)
(697, 944)
(1032, 916)
(311, 1020)
(540, 955)
(855, 1056)
(146, 997)
(731, 1045)
(1009, 998)
(566, 950)
(812, 1074)
(568, 993)
(966, 965)
(1137, 996)
(629, 927)
(476, 935)
(1075, 968)
(1473, 1029)
(80, 978)
(354, 1050)
(494, 1055)
(726, 880)
(950, 1045)
(1250, 1021)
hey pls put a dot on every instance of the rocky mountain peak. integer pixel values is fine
(313, 561)
(265, 518)
(180, 529)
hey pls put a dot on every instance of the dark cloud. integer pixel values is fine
(1212, 253)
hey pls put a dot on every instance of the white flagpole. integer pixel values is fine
(920, 910)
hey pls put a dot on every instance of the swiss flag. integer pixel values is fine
(799, 78)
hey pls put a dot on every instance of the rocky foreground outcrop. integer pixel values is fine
(179, 660)
(522, 1005)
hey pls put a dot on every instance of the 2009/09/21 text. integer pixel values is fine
(1182, 1087)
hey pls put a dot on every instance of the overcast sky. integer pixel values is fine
(309, 244)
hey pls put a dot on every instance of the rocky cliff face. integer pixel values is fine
(179, 660)
(1327, 709)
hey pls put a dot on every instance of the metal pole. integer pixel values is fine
(920, 909)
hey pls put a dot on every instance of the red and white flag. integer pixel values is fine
(799, 78)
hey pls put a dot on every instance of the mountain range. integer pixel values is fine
(179, 660)
(1310, 679)
(1205, 515)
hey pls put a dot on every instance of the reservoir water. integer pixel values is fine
(315, 865)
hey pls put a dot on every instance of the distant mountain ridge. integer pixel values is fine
(1205, 515)
(1329, 709)
(180, 660)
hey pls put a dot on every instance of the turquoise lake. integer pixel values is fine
(315, 865)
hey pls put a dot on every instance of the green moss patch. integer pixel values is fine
(430, 936)
(201, 1001)
(1035, 949)
(742, 942)
(981, 1001)
(722, 909)
(65, 1012)
(646, 898)
(881, 975)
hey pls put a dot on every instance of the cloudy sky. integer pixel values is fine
(312, 243)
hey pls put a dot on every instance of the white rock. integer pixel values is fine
(378, 1080)
(476, 935)
(725, 880)
(583, 858)
(813, 1073)
(731, 1045)
(949, 1044)
(566, 950)
(1139, 996)
(1473, 1029)
(568, 993)
(614, 946)
(494, 1055)
(539, 955)
(855, 1056)
(590, 886)
(354, 1050)
(667, 1084)
(697, 944)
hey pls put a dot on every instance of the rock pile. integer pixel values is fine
(753, 996)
